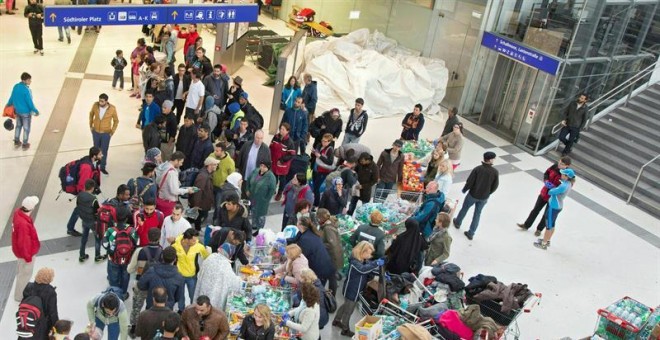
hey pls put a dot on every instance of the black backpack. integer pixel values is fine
(151, 260)
(30, 317)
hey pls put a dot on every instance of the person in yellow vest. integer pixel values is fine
(188, 249)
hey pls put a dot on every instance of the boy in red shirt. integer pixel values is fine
(146, 218)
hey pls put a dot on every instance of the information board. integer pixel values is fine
(527, 55)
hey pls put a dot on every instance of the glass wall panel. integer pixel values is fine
(409, 24)
(374, 15)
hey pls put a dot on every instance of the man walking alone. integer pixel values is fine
(24, 244)
(481, 183)
(103, 121)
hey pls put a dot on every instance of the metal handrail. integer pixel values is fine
(639, 175)
(613, 92)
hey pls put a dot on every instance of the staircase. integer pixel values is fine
(614, 148)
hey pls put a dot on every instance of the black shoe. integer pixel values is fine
(60, 39)
(17, 144)
(100, 258)
(336, 323)
(68, 40)
(83, 258)
(521, 226)
(131, 331)
(467, 234)
(456, 224)
(74, 233)
(104, 171)
(348, 333)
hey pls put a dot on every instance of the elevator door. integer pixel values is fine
(508, 96)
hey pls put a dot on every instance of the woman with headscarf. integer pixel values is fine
(154, 156)
(260, 188)
(216, 278)
(336, 198)
(42, 288)
(404, 253)
(232, 186)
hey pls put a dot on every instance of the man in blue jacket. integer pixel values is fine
(166, 275)
(433, 202)
(310, 96)
(21, 99)
(296, 116)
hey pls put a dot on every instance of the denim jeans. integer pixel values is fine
(71, 225)
(113, 329)
(281, 182)
(102, 140)
(478, 206)
(118, 75)
(349, 138)
(380, 194)
(67, 31)
(191, 283)
(568, 135)
(317, 180)
(118, 276)
(83, 240)
(24, 122)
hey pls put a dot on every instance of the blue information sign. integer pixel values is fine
(532, 57)
(92, 15)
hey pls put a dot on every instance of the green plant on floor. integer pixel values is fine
(272, 69)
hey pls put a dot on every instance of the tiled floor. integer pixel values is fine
(603, 248)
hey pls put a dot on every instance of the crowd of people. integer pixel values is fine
(206, 186)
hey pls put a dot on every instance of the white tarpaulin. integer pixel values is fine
(390, 78)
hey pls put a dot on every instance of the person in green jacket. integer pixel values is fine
(439, 241)
(225, 168)
(372, 233)
(107, 309)
(261, 186)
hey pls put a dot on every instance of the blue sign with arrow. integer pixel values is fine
(527, 55)
(95, 15)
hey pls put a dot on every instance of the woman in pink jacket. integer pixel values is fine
(292, 269)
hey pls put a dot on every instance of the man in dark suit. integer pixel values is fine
(575, 117)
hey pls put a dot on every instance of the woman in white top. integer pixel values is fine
(306, 315)
(444, 176)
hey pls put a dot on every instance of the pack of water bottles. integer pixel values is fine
(623, 319)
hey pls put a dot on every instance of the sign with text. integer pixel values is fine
(101, 15)
(526, 55)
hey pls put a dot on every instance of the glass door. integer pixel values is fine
(508, 96)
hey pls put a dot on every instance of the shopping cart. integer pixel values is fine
(509, 320)
(382, 195)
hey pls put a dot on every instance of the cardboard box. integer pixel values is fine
(370, 333)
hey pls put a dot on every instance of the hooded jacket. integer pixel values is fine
(88, 169)
(169, 189)
(357, 277)
(390, 171)
(282, 151)
(325, 124)
(165, 275)
(357, 125)
(151, 136)
(24, 240)
(367, 175)
(49, 302)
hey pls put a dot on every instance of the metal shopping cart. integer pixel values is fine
(509, 320)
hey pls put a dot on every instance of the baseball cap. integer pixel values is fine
(398, 143)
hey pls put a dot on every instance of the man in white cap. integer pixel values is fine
(204, 199)
(24, 243)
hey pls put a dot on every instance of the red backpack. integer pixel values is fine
(124, 246)
(107, 218)
(29, 317)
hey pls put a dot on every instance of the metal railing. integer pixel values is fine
(639, 176)
(628, 84)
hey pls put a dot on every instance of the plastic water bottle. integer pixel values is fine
(404, 303)
(637, 322)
